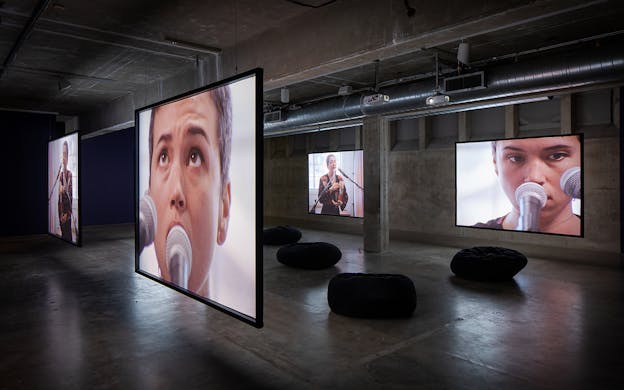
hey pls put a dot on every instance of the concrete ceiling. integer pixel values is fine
(107, 49)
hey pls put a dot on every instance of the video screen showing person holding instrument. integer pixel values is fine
(336, 183)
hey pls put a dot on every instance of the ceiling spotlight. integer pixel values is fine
(284, 95)
(437, 98)
(63, 84)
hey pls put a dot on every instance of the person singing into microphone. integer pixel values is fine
(332, 192)
(189, 146)
(65, 197)
(542, 161)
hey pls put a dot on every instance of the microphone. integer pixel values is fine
(352, 181)
(531, 197)
(571, 182)
(179, 256)
(344, 174)
(147, 222)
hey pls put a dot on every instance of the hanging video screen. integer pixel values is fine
(199, 205)
(336, 183)
(63, 188)
(521, 184)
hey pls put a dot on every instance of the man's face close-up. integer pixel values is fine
(185, 181)
(542, 161)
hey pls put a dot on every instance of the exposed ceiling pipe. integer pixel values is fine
(556, 72)
(39, 10)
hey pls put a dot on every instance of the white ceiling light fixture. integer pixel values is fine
(345, 90)
(438, 97)
(285, 95)
(463, 53)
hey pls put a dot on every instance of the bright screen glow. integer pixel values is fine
(202, 240)
(336, 183)
(489, 174)
(63, 217)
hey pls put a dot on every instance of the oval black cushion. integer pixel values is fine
(488, 263)
(281, 235)
(309, 255)
(371, 295)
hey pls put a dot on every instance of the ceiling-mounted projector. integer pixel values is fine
(436, 99)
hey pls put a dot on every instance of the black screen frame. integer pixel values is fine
(581, 137)
(78, 242)
(258, 320)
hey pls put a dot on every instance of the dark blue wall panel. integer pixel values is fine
(108, 178)
(24, 172)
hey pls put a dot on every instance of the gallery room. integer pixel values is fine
(311, 194)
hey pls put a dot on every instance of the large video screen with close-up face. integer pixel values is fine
(63, 186)
(199, 206)
(521, 184)
(336, 183)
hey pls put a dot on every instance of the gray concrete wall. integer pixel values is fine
(286, 188)
(421, 196)
(422, 206)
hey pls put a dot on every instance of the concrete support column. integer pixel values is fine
(376, 146)
(511, 121)
(423, 132)
(616, 107)
(464, 126)
(358, 137)
(566, 114)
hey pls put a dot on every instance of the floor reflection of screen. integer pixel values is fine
(522, 184)
(63, 185)
(336, 183)
(199, 211)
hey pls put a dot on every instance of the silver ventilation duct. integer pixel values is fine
(548, 73)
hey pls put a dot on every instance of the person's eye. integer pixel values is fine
(515, 158)
(163, 158)
(557, 156)
(195, 158)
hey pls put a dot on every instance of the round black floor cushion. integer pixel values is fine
(488, 263)
(281, 235)
(309, 255)
(371, 295)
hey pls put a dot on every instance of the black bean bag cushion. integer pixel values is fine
(371, 295)
(309, 255)
(488, 263)
(281, 235)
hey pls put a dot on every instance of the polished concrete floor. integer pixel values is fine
(80, 318)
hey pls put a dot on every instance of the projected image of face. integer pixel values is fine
(542, 161)
(189, 185)
(65, 153)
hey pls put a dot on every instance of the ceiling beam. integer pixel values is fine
(26, 31)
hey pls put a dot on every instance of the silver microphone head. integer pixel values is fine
(531, 198)
(570, 182)
(532, 190)
(179, 256)
(147, 221)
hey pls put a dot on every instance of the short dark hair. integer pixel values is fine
(66, 145)
(223, 102)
